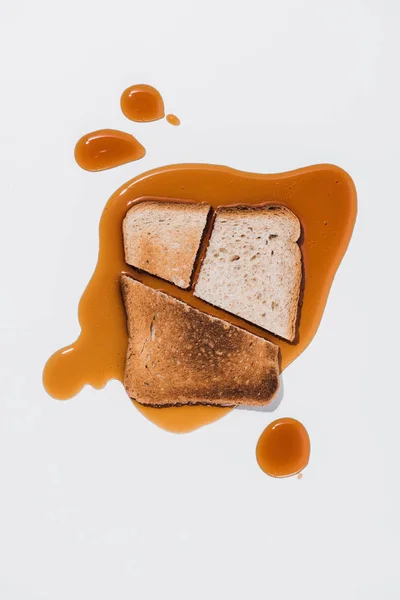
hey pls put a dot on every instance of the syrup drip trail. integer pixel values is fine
(283, 448)
(107, 148)
(142, 103)
(322, 196)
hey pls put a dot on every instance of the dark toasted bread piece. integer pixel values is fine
(178, 355)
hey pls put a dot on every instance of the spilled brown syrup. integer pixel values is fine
(142, 103)
(322, 196)
(173, 120)
(283, 448)
(107, 148)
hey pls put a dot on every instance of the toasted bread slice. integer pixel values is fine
(252, 267)
(178, 355)
(163, 238)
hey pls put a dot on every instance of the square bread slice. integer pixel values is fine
(163, 238)
(252, 267)
(178, 355)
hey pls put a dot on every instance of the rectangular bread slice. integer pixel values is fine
(178, 355)
(163, 238)
(252, 267)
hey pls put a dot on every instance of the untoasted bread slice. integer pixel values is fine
(252, 267)
(178, 355)
(163, 238)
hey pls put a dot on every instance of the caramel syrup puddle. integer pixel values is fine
(322, 196)
(283, 448)
(142, 103)
(107, 148)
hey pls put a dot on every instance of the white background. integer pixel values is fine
(96, 502)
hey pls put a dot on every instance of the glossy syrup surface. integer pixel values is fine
(142, 103)
(173, 120)
(107, 148)
(283, 448)
(322, 196)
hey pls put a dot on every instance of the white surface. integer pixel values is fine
(95, 502)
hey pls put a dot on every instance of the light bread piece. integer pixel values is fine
(163, 238)
(252, 267)
(178, 355)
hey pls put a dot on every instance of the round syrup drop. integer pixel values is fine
(107, 148)
(142, 103)
(283, 448)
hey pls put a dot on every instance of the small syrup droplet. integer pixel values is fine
(173, 120)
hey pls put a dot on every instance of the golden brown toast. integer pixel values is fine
(163, 238)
